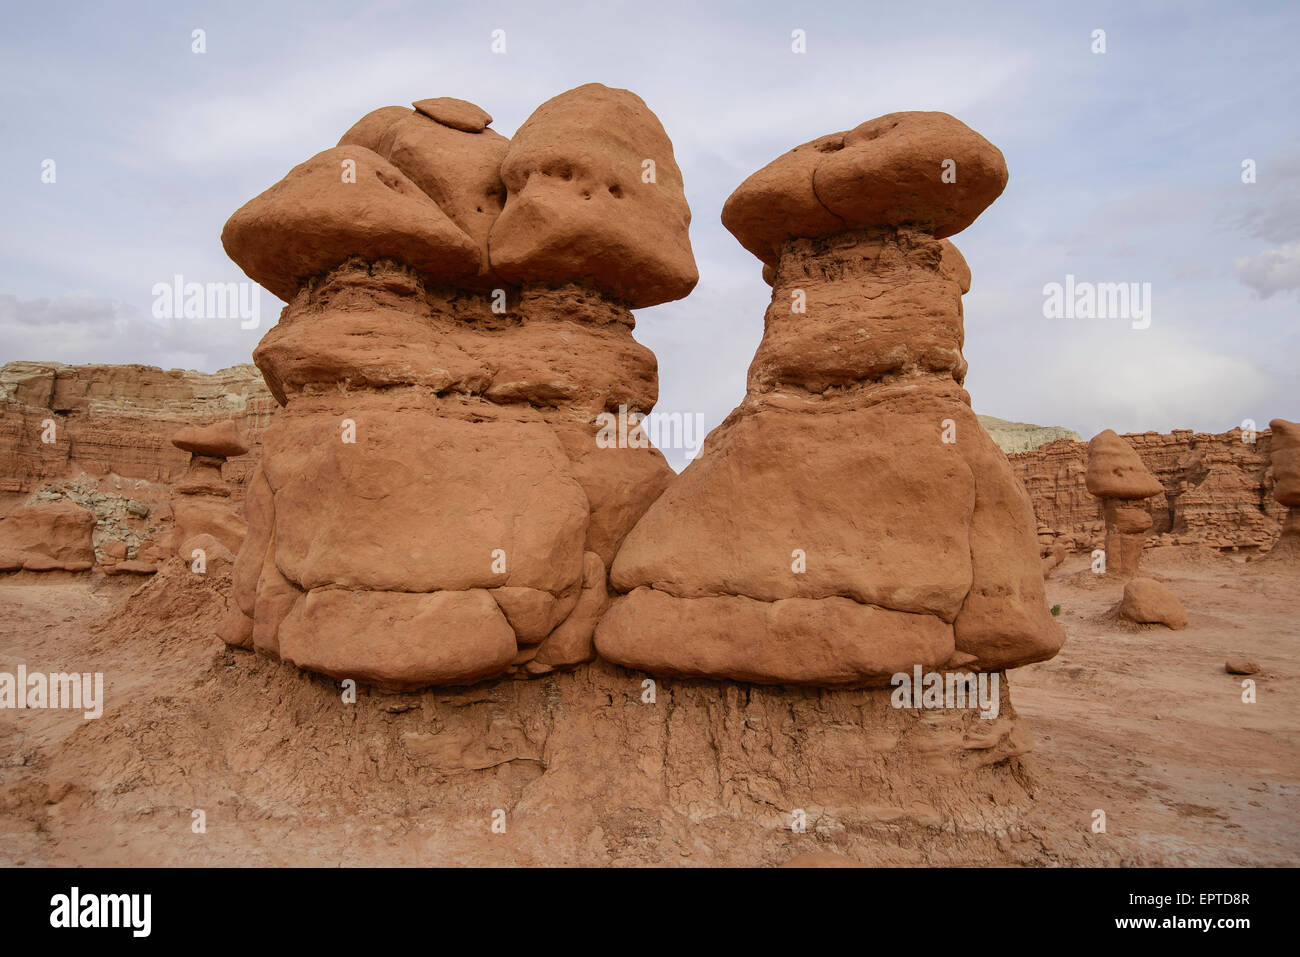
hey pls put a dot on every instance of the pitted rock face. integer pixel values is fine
(1284, 456)
(579, 206)
(889, 531)
(925, 171)
(446, 149)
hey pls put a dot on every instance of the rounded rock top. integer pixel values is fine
(1115, 471)
(595, 194)
(1285, 457)
(220, 439)
(927, 170)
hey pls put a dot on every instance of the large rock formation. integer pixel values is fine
(99, 437)
(1217, 490)
(118, 420)
(51, 536)
(433, 506)
(1285, 456)
(1117, 476)
(850, 519)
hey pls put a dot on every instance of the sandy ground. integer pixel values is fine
(1141, 723)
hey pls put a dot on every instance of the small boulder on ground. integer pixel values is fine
(1146, 601)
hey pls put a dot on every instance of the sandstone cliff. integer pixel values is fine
(99, 436)
(1217, 490)
(118, 419)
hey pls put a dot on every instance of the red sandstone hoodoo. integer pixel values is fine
(1285, 463)
(432, 506)
(1117, 476)
(850, 519)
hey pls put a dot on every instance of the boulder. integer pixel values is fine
(219, 440)
(347, 201)
(923, 170)
(48, 535)
(594, 194)
(1146, 601)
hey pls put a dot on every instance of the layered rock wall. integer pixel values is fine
(119, 420)
(1218, 490)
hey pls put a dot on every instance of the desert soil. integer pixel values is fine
(1140, 723)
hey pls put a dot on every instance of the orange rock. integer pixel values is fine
(927, 171)
(48, 536)
(890, 530)
(1149, 602)
(1115, 471)
(115, 551)
(1054, 560)
(1116, 475)
(433, 505)
(131, 567)
(220, 440)
(458, 170)
(1285, 458)
(458, 114)
(325, 212)
(1219, 488)
(595, 194)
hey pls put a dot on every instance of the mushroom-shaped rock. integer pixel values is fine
(594, 194)
(220, 439)
(925, 170)
(200, 506)
(833, 579)
(1118, 477)
(344, 202)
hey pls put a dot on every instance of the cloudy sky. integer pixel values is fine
(1126, 166)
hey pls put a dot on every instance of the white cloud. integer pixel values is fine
(1271, 270)
(82, 329)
